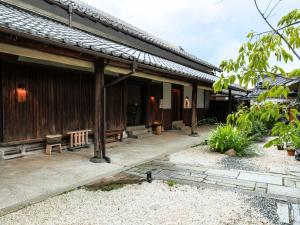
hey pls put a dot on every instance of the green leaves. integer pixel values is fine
(255, 56)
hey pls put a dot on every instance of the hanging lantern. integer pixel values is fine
(152, 99)
(21, 94)
(187, 103)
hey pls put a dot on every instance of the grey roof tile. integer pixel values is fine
(123, 26)
(23, 21)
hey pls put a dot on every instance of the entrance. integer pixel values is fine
(135, 104)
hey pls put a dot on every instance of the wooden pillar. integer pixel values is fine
(1, 104)
(229, 102)
(99, 123)
(194, 122)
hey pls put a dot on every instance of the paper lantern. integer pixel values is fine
(21, 94)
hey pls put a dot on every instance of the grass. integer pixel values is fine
(171, 183)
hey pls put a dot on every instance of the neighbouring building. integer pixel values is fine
(65, 66)
(268, 82)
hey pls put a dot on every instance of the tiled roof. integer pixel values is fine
(29, 23)
(125, 27)
(277, 81)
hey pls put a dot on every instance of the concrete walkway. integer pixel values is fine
(34, 178)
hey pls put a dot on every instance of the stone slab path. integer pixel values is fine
(280, 186)
(283, 186)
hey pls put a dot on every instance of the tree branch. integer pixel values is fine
(277, 32)
(273, 8)
(279, 29)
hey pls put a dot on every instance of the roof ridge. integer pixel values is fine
(103, 17)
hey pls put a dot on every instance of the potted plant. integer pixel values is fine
(280, 146)
(291, 151)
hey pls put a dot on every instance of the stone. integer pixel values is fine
(231, 153)
(289, 183)
(294, 169)
(222, 173)
(243, 183)
(261, 185)
(277, 170)
(283, 191)
(297, 184)
(260, 178)
(226, 184)
(296, 212)
(260, 190)
(283, 213)
(209, 182)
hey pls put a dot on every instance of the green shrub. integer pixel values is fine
(226, 137)
(258, 130)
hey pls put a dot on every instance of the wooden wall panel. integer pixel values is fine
(58, 101)
(167, 119)
(187, 117)
(203, 113)
(115, 109)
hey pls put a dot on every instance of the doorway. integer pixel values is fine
(135, 104)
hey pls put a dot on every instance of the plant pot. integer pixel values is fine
(280, 147)
(291, 152)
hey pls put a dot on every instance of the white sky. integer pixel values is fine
(210, 29)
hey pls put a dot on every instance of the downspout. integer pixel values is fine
(70, 15)
(133, 69)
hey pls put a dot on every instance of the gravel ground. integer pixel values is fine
(148, 204)
(267, 158)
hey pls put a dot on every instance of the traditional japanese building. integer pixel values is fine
(67, 66)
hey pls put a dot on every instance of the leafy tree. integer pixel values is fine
(282, 43)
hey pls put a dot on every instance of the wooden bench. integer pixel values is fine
(79, 139)
(116, 134)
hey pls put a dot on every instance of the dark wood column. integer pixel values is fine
(99, 123)
(229, 101)
(194, 109)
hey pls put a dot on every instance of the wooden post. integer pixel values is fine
(194, 122)
(99, 123)
(230, 102)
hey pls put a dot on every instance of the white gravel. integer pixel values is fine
(145, 204)
(267, 158)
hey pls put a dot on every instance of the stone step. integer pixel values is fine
(139, 132)
(177, 122)
(134, 128)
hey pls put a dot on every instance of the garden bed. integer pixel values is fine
(266, 159)
(155, 203)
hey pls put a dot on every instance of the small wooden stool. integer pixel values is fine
(50, 146)
(53, 141)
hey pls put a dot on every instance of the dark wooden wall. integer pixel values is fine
(202, 114)
(187, 116)
(115, 109)
(58, 100)
(167, 119)
(220, 109)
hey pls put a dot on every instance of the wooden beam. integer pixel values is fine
(41, 57)
(99, 123)
(140, 74)
(194, 122)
